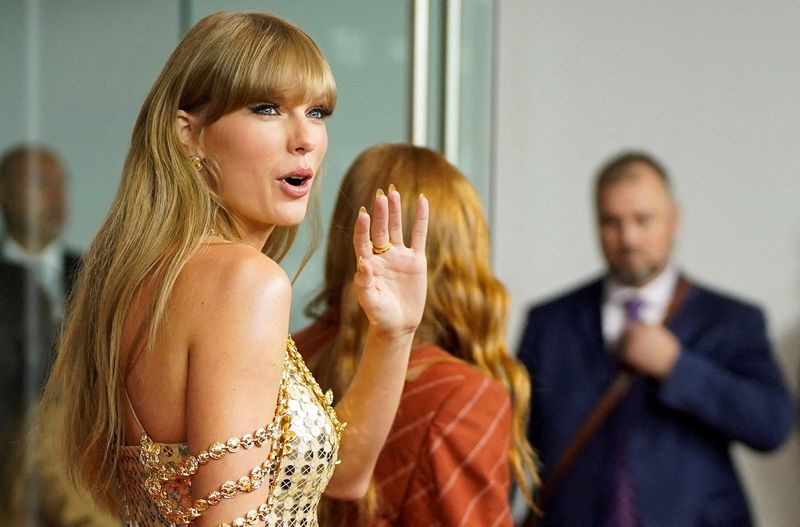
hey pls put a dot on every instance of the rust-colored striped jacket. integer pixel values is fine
(445, 462)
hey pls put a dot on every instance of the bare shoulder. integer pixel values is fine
(227, 281)
(225, 272)
(238, 304)
(234, 296)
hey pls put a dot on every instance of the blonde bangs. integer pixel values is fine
(268, 60)
(302, 73)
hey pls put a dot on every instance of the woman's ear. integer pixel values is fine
(188, 129)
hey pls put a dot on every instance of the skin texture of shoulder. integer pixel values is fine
(231, 304)
(228, 280)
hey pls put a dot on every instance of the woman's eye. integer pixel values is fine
(318, 113)
(265, 109)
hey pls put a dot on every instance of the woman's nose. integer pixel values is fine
(303, 138)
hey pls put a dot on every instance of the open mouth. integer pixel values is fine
(297, 181)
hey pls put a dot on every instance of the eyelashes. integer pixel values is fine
(317, 112)
(265, 109)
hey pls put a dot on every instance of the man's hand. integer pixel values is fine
(649, 349)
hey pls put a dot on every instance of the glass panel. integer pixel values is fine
(13, 82)
(88, 79)
(74, 76)
(477, 97)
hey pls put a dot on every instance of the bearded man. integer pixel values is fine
(702, 367)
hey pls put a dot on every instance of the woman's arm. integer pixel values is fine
(240, 306)
(391, 289)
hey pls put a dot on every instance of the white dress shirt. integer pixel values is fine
(655, 297)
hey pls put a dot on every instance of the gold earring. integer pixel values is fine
(196, 161)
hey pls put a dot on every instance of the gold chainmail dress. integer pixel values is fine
(155, 479)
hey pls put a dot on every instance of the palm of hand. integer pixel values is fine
(392, 285)
(395, 298)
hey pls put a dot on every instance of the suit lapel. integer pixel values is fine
(72, 263)
(598, 358)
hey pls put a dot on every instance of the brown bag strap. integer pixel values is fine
(608, 402)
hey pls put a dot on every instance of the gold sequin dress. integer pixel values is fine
(155, 479)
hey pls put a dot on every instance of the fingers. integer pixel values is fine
(419, 232)
(395, 217)
(380, 220)
(386, 224)
(361, 241)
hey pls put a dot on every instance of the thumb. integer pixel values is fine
(364, 274)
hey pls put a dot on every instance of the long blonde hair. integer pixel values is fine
(466, 307)
(163, 209)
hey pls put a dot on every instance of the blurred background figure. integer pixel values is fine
(36, 275)
(703, 371)
(36, 272)
(34, 209)
(459, 430)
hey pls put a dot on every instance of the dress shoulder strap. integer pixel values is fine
(133, 412)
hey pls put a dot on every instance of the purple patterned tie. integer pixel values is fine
(633, 309)
(621, 510)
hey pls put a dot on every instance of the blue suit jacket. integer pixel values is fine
(725, 387)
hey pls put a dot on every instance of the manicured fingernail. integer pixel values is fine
(422, 195)
(379, 193)
(362, 209)
(392, 188)
(360, 264)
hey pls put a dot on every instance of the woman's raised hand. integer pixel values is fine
(391, 279)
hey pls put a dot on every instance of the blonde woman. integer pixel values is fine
(459, 428)
(183, 402)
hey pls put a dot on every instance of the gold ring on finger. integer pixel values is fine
(382, 248)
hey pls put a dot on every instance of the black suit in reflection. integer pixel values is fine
(28, 334)
(36, 275)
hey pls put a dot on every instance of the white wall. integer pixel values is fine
(709, 87)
